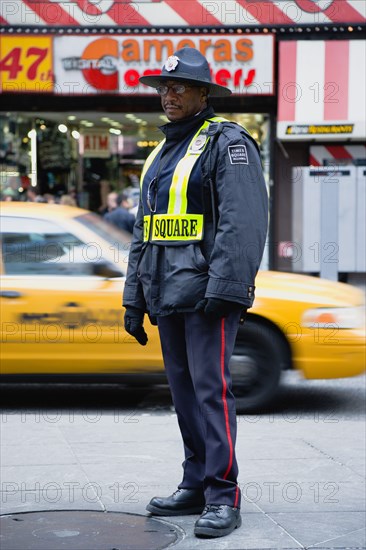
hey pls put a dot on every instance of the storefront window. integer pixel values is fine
(87, 155)
(15, 155)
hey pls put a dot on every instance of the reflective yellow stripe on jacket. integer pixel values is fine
(150, 160)
(176, 224)
(178, 189)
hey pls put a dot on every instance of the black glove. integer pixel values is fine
(134, 319)
(215, 308)
(153, 320)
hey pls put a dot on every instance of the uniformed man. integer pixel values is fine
(197, 245)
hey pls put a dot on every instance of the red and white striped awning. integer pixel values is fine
(176, 13)
(334, 155)
(321, 90)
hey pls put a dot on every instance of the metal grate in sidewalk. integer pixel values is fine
(84, 530)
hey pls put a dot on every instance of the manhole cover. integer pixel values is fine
(83, 530)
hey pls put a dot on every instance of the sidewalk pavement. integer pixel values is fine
(302, 477)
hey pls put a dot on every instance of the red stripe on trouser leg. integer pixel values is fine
(224, 401)
(236, 496)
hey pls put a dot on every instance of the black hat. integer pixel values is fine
(189, 65)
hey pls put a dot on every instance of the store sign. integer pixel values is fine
(54, 152)
(26, 64)
(180, 13)
(318, 129)
(88, 65)
(95, 144)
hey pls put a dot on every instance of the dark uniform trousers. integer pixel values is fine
(196, 353)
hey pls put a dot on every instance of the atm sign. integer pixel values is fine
(96, 144)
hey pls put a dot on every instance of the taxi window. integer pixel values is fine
(118, 239)
(40, 247)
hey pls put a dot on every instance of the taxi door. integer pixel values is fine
(62, 314)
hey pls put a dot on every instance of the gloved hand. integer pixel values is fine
(214, 308)
(153, 320)
(134, 319)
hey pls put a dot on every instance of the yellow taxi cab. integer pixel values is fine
(63, 269)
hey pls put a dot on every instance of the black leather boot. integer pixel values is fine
(181, 503)
(217, 521)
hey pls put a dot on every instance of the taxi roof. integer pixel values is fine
(44, 210)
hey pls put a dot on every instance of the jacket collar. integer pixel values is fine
(176, 131)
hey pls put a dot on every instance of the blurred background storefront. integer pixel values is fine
(75, 120)
(93, 123)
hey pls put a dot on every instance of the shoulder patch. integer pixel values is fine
(238, 154)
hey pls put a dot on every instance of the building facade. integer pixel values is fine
(74, 117)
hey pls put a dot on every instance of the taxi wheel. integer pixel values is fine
(256, 367)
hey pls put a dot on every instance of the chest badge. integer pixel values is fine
(198, 143)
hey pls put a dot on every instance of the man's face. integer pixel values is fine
(179, 106)
(112, 201)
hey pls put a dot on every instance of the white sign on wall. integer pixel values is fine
(325, 99)
(95, 144)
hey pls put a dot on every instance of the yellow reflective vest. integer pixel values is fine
(173, 221)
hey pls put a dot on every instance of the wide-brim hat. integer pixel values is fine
(188, 65)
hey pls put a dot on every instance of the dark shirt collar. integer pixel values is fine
(176, 131)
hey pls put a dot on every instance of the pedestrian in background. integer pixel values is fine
(111, 202)
(120, 216)
(68, 200)
(198, 242)
(32, 195)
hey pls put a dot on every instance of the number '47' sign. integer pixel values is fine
(26, 64)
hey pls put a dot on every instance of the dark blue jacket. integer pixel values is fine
(163, 278)
(121, 218)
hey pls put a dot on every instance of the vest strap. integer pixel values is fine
(150, 159)
(176, 224)
(178, 190)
